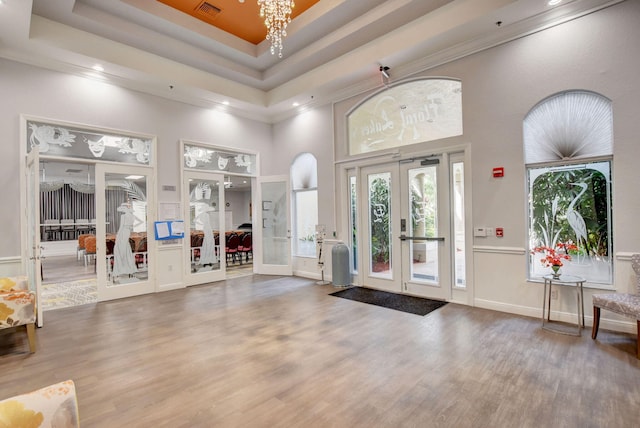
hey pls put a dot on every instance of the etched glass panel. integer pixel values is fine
(76, 142)
(205, 234)
(274, 224)
(570, 211)
(379, 200)
(126, 225)
(209, 159)
(408, 113)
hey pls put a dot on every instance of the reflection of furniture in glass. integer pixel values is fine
(81, 247)
(51, 228)
(625, 304)
(89, 249)
(196, 246)
(231, 247)
(82, 226)
(567, 281)
(67, 228)
(18, 306)
(110, 243)
(140, 254)
(52, 406)
(245, 247)
(217, 246)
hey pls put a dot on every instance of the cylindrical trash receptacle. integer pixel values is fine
(340, 272)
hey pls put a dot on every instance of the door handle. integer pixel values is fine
(421, 238)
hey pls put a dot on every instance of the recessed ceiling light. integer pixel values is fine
(296, 104)
(225, 102)
(133, 177)
(554, 2)
(98, 67)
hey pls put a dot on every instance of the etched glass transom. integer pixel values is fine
(75, 142)
(210, 159)
(408, 113)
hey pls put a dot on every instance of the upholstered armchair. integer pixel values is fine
(54, 406)
(18, 306)
(625, 304)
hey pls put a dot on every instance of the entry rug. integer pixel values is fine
(399, 302)
(66, 294)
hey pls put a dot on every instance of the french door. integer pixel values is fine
(125, 243)
(408, 226)
(205, 226)
(273, 231)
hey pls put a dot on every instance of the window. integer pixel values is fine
(305, 204)
(568, 146)
(410, 112)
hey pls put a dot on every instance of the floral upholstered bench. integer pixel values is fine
(54, 406)
(18, 306)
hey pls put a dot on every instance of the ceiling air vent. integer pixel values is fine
(207, 9)
(73, 171)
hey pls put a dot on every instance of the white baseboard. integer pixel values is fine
(172, 286)
(568, 317)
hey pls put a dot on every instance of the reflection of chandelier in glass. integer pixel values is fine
(276, 14)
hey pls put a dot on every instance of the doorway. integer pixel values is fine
(218, 218)
(411, 226)
(67, 214)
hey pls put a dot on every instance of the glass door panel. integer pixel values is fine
(353, 220)
(274, 229)
(426, 269)
(123, 232)
(458, 218)
(409, 211)
(380, 208)
(423, 223)
(205, 220)
(379, 201)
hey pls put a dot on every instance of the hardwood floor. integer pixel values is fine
(261, 351)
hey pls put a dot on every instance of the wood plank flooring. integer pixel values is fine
(262, 351)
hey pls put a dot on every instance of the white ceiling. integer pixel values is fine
(332, 51)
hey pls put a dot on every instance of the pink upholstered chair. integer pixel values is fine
(52, 406)
(18, 306)
(625, 304)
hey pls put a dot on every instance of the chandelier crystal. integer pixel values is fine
(276, 14)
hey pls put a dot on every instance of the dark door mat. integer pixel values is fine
(399, 302)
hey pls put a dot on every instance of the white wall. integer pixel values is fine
(597, 52)
(238, 203)
(38, 92)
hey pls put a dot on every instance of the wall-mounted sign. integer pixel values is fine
(172, 229)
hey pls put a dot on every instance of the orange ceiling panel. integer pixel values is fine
(242, 19)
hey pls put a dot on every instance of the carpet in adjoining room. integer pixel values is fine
(66, 294)
(399, 302)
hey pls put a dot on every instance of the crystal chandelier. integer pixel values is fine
(276, 14)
